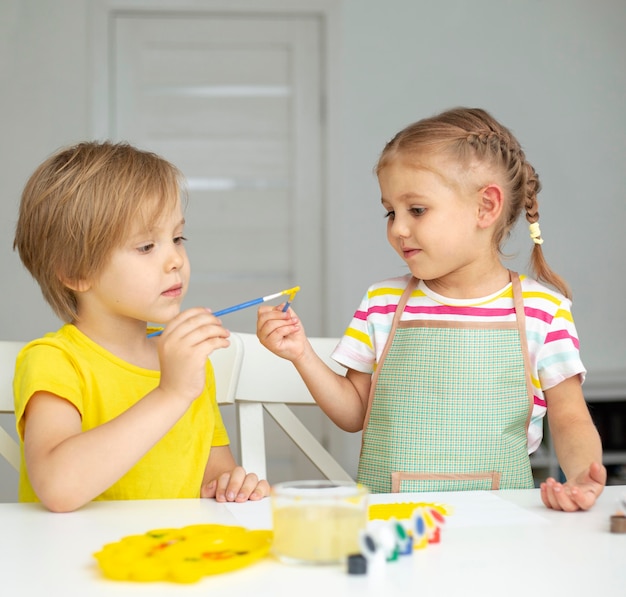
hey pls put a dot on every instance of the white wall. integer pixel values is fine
(552, 71)
(44, 104)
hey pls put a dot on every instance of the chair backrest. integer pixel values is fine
(270, 383)
(227, 364)
(9, 448)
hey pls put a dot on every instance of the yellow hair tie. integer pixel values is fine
(535, 233)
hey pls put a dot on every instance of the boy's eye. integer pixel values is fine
(418, 211)
(179, 240)
(145, 248)
(390, 215)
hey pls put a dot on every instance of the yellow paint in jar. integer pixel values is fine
(317, 522)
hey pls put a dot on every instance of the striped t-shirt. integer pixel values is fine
(550, 331)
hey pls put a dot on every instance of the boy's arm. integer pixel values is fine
(69, 467)
(578, 449)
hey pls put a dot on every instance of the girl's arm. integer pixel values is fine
(578, 449)
(227, 482)
(342, 398)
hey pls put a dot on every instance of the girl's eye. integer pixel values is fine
(145, 248)
(390, 214)
(418, 211)
(179, 240)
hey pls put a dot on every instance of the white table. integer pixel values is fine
(495, 543)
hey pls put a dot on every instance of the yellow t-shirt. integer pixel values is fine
(101, 386)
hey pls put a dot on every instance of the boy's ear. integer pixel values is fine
(75, 285)
(490, 205)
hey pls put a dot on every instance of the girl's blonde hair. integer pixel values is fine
(79, 205)
(471, 134)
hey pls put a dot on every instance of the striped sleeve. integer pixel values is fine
(557, 349)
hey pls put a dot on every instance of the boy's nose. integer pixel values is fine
(399, 227)
(175, 259)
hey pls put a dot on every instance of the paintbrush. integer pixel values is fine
(262, 299)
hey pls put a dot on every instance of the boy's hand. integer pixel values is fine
(184, 347)
(579, 494)
(236, 486)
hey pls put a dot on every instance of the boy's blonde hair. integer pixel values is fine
(79, 205)
(471, 134)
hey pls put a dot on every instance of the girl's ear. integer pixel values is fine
(490, 205)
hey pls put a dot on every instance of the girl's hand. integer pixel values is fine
(184, 347)
(579, 494)
(236, 486)
(281, 333)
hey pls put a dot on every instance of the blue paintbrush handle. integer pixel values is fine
(238, 307)
(223, 312)
(256, 301)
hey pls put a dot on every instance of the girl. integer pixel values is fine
(103, 410)
(450, 369)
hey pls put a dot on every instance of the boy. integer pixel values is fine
(103, 411)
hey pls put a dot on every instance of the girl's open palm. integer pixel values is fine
(578, 494)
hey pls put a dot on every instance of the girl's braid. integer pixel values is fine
(497, 146)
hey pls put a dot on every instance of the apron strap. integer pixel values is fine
(518, 301)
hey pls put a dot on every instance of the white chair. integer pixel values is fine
(270, 383)
(9, 448)
(226, 365)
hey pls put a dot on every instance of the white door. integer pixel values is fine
(235, 102)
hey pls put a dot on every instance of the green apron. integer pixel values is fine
(449, 406)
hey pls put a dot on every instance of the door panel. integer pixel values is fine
(234, 102)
